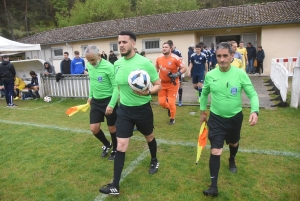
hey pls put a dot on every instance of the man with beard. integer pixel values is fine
(134, 109)
(103, 97)
(225, 121)
(170, 68)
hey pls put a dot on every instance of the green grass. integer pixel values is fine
(45, 155)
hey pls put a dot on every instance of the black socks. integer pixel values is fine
(233, 151)
(118, 167)
(114, 141)
(152, 148)
(214, 166)
(100, 136)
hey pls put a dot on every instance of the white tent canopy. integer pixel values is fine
(13, 46)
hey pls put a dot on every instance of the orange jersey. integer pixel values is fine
(168, 64)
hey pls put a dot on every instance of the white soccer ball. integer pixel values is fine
(139, 80)
(47, 99)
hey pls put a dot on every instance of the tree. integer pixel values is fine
(94, 11)
(8, 20)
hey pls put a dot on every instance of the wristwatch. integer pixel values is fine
(255, 112)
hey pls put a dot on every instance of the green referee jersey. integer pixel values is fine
(102, 82)
(225, 89)
(123, 67)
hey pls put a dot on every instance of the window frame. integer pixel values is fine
(82, 50)
(111, 45)
(57, 56)
(152, 50)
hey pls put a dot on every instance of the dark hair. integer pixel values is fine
(5, 56)
(32, 73)
(143, 53)
(225, 45)
(250, 43)
(260, 46)
(199, 45)
(67, 53)
(170, 42)
(128, 33)
(241, 41)
(204, 46)
(76, 52)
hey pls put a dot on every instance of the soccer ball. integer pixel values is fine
(139, 80)
(47, 99)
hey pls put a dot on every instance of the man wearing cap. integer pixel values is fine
(7, 74)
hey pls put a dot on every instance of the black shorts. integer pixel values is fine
(97, 113)
(221, 129)
(141, 116)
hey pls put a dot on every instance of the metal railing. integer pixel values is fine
(69, 86)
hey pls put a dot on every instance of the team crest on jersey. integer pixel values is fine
(234, 90)
(169, 63)
(100, 79)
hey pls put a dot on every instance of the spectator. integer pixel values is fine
(136, 51)
(34, 85)
(77, 64)
(7, 74)
(190, 52)
(112, 57)
(260, 56)
(213, 58)
(19, 86)
(143, 53)
(104, 55)
(251, 54)
(48, 69)
(65, 64)
(244, 53)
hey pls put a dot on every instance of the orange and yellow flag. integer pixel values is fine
(75, 109)
(202, 139)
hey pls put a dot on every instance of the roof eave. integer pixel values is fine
(178, 30)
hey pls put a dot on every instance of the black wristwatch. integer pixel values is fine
(255, 112)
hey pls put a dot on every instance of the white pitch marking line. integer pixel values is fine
(36, 108)
(160, 141)
(127, 171)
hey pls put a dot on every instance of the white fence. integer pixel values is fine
(279, 75)
(288, 63)
(68, 86)
(295, 99)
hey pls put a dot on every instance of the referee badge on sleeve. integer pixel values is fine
(100, 79)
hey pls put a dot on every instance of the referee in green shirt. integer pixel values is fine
(225, 85)
(134, 109)
(103, 96)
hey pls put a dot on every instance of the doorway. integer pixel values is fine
(226, 38)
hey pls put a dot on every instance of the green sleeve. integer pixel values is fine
(114, 85)
(90, 89)
(205, 92)
(250, 92)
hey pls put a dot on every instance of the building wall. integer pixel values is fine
(280, 41)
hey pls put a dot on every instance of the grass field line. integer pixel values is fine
(127, 171)
(159, 141)
(36, 108)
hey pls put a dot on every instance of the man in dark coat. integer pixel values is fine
(65, 64)
(7, 74)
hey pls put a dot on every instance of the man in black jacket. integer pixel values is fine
(7, 74)
(112, 57)
(65, 64)
(260, 56)
(251, 54)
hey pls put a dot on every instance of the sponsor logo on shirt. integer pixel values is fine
(100, 79)
(169, 63)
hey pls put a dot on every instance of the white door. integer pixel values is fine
(250, 37)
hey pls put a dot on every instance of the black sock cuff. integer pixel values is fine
(215, 156)
(152, 142)
(113, 133)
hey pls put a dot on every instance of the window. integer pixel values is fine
(83, 47)
(114, 47)
(58, 52)
(151, 45)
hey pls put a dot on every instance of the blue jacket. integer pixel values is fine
(213, 58)
(190, 52)
(77, 66)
